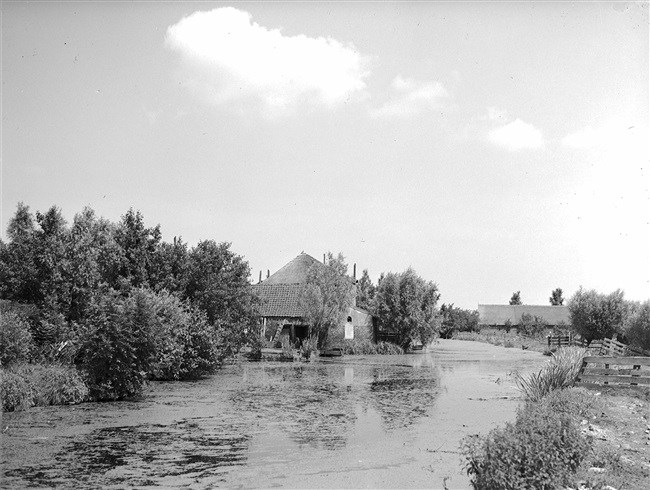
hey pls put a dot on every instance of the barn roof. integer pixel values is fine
(295, 272)
(499, 314)
(279, 300)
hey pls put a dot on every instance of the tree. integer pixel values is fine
(638, 329)
(216, 280)
(18, 273)
(326, 296)
(455, 319)
(556, 298)
(365, 291)
(516, 298)
(405, 304)
(597, 316)
(138, 245)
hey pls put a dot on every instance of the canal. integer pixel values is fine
(351, 422)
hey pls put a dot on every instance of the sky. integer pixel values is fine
(493, 147)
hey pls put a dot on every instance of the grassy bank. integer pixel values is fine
(502, 338)
(565, 437)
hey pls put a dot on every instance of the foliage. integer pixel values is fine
(540, 450)
(515, 299)
(17, 392)
(580, 403)
(326, 296)
(367, 347)
(308, 346)
(457, 320)
(560, 372)
(556, 298)
(57, 385)
(365, 291)
(187, 347)
(118, 345)
(27, 385)
(596, 316)
(287, 349)
(638, 327)
(405, 304)
(138, 245)
(531, 325)
(15, 338)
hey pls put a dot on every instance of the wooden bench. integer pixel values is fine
(601, 371)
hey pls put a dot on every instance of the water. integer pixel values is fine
(355, 422)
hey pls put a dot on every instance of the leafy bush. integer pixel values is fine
(560, 372)
(15, 338)
(186, 345)
(367, 347)
(457, 320)
(308, 346)
(17, 391)
(597, 316)
(531, 325)
(57, 385)
(638, 329)
(577, 402)
(118, 345)
(541, 450)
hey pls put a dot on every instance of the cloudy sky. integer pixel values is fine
(493, 147)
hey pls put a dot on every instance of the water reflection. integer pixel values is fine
(315, 404)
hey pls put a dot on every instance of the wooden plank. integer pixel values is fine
(609, 372)
(618, 361)
(594, 386)
(593, 378)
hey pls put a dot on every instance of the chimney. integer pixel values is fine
(260, 276)
(268, 273)
(354, 272)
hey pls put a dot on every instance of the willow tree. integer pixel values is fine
(326, 296)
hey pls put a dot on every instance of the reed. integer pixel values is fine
(560, 372)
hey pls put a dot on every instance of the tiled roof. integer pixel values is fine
(499, 314)
(280, 300)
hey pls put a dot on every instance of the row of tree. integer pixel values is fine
(119, 303)
(556, 298)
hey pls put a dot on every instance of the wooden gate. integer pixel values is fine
(629, 372)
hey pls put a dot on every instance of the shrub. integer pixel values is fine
(58, 385)
(560, 372)
(531, 325)
(118, 345)
(186, 345)
(597, 316)
(577, 402)
(541, 450)
(638, 329)
(17, 391)
(15, 338)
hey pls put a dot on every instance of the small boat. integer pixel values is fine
(335, 352)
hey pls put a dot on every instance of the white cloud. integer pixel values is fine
(516, 135)
(230, 58)
(613, 136)
(411, 97)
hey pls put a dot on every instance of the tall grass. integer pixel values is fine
(27, 385)
(560, 372)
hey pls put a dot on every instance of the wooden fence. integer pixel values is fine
(601, 371)
(561, 341)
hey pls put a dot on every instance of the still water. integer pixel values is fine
(352, 422)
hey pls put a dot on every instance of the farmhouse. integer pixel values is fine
(500, 315)
(280, 309)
